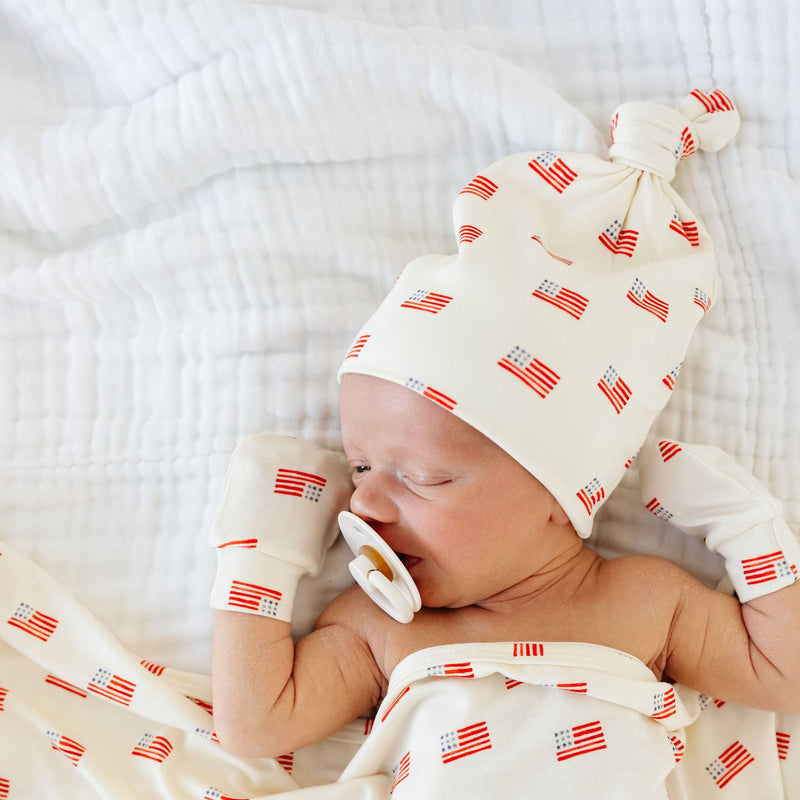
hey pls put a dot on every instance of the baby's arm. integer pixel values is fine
(743, 653)
(748, 653)
(271, 697)
(276, 519)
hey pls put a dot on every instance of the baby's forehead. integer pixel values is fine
(402, 414)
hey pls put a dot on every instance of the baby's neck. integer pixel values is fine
(555, 584)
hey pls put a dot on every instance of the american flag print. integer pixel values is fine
(465, 742)
(729, 764)
(702, 299)
(783, 740)
(480, 186)
(401, 771)
(462, 670)
(28, 619)
(358, 346)
(768, 567)
(534, 373)
(207, 707)
(714, 101)
(155, 669)
(247, 544)
(591, 494)
(615, 389)
(5, 788)
(525, 649)
(215, 794)
(671, 378)
(668, 450)
(395, 702)
(155, 748)
(655, 508)
(69, 747)
(432, 394)
(423, 300)
(296, 483)
(579, 687)
(687, 229)
(560, 297)
(112, 687)
(3, 695)
(686, 146)
(642, 297)
(553, 170)
(467, 234)
(60, 683)
(665, 704)
(287, 762)
(707, 702)
(552, 255)
(678, 748)
(206, 735)
(613, 127)
(619, 240)
(580, 740)
(252, 597)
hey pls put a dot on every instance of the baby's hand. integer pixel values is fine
(276, 520)
(705, 493)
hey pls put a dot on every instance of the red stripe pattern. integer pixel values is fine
(481, 187)
(26, 618)
(553, 170)
(535, 374)
(465, 742)
(580, 740)
(252, 597)
(296, 483)
(729, 764)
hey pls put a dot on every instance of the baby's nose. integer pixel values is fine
(372, 500)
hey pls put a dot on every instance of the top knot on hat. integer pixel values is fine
(559, 328)
(654, 138)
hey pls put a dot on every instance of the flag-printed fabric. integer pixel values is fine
(35, 623)
(83, 718)
(572, 719)
(276, 519)
(705, 493)
(457, 720)
(575, 291)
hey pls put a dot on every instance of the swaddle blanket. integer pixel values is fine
(82, 717)
(524, 719)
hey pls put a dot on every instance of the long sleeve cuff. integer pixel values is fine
(255, 583)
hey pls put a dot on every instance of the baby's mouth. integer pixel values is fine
(409, 562)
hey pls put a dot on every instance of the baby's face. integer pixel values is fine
(468, 521)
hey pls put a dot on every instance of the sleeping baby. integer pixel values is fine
(488, 408)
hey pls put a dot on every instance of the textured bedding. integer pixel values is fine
(202, 201)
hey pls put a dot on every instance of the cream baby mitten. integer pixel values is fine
(705, 493)
(276, 520)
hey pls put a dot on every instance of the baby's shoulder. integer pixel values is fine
(634, 576)
(644, 565)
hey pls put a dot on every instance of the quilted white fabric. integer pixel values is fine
(201, 202)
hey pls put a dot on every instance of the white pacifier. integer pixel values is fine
(378, 571)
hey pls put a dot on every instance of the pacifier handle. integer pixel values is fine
(378, 570)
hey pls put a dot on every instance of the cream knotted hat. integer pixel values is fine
(559, 328)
